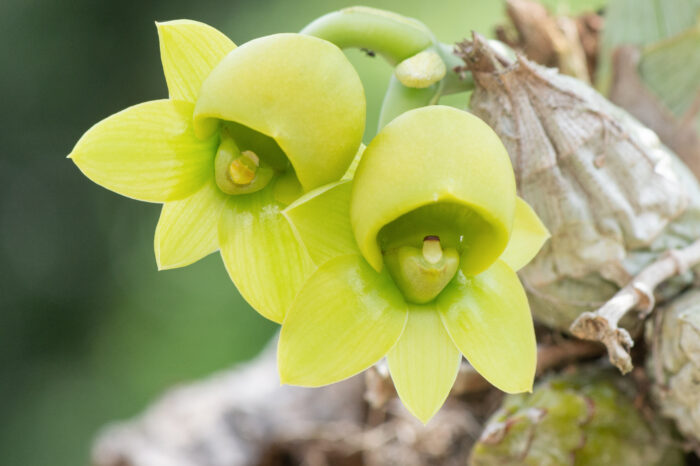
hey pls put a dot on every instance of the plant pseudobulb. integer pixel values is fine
(583, 418)
(612, 196)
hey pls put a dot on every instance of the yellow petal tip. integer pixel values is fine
(283, 376)
(424, 419)
(163, 24)
(515, 389)
(423, 416)
(164, 265)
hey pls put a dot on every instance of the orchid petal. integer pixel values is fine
(527, 237)
(299, 90)
(188, 229)
(350, 172)
(147, 152)
(488, 318)
(189, 50)
(346, 318)
(321, 221)
(263, 258)
(424, 363)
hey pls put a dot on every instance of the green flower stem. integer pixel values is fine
(400, 99)
(453, 83)
(396, 38)
(393, 36)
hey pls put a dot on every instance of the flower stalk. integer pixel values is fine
(425, 67)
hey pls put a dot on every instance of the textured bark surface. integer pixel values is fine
(244, 417)
(569, 44)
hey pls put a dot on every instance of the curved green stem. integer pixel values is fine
(393, 36)
(396, 38)
(399, 99)
(453, 83)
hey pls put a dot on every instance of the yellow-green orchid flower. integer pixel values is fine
(245, 132)
(417, 260)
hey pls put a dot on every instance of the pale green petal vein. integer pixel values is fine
(147, 152)
(188, 229)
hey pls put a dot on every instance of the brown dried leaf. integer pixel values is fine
(556, 41)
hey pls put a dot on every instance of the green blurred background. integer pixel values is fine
(90, 332)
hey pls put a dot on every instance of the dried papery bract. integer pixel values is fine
(549, 39)
(613, 198)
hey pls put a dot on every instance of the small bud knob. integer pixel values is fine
(421, 70)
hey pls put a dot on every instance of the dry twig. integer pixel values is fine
(601, 325)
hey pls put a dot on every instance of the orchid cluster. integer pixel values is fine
(406, 249)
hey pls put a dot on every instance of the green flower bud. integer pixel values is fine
(297, 95)
(450, 165)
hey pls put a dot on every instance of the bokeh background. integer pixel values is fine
(90, 332)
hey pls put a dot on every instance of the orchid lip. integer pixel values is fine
(422, 274)
(239, 172)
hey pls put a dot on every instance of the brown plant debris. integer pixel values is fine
(602, 325)
(243, 417)
(569, 44)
